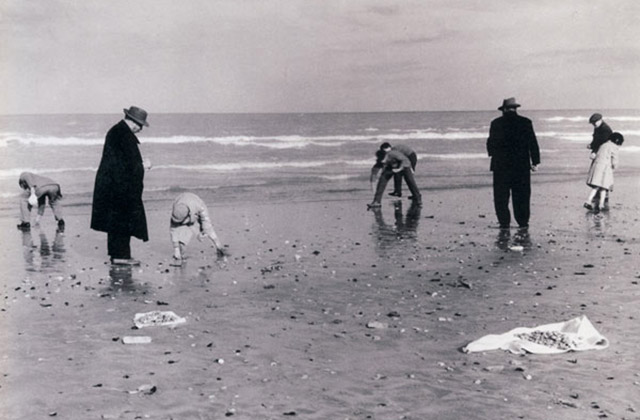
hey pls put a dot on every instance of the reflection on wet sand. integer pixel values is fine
(405, 227)
(44, 257)
(121, 280)
(597, 223)
(504, 239)
(521, 240)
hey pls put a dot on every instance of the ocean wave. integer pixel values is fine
(584, 137)
(276, 142)
(230, 167)
(15, 172)
(585, 118)
(562, 119)
(9, 194)
(453, 156)
(342, 177)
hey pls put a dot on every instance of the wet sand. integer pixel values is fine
(326, 310)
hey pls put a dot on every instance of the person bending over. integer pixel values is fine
(190, 216)
(37, 190)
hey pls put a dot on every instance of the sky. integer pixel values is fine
(97, 56)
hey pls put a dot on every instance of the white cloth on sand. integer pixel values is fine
(577, 334)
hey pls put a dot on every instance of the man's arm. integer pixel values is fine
(534, 149)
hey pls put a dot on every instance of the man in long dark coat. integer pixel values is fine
(117, 196)
(514, 152)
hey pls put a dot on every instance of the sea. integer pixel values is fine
(235, 158)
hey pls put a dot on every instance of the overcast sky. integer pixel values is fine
(98, 56)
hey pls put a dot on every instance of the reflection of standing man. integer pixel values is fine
(117, 197)
(514, 152)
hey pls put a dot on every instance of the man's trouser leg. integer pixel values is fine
(397, 183)
(521, 190)
(411, 183)
(382, 184)
(501, 192)
(119, 245)
(25, 208)
(52, 193)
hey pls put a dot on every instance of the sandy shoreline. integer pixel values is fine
(288, 314)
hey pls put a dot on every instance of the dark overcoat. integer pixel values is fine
(600, 136)
(512, 144)
(117, 194)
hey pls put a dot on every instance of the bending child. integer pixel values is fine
(37, 190)
(190, 216)
(600, 177)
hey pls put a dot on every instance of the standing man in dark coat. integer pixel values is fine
(117, 196)
(514, 152)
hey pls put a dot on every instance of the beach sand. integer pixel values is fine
(283, 328)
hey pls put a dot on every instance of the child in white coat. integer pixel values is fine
(600, 177)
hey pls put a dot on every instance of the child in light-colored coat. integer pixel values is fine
(600, 177)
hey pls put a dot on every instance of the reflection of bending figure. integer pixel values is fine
(50, 254)
(27, 250)
(404, 228)
(411, 221)
(58, 246)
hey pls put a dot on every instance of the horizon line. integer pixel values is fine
(311, 112)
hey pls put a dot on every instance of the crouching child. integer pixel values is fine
(189, 216)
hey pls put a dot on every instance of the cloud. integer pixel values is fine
(384, 10)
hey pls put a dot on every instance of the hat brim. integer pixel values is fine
(137, 121)
(503, 107)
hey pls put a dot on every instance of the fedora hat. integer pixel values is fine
(137, 115)
(509, 103)
(595, 117)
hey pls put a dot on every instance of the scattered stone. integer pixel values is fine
(136, 339)
(377, 325)
(567, 403)
(146, 389)
(465, 283)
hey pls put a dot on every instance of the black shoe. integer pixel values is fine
(24, 226)
(61, 224)
(395, 194)
(587, 206)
